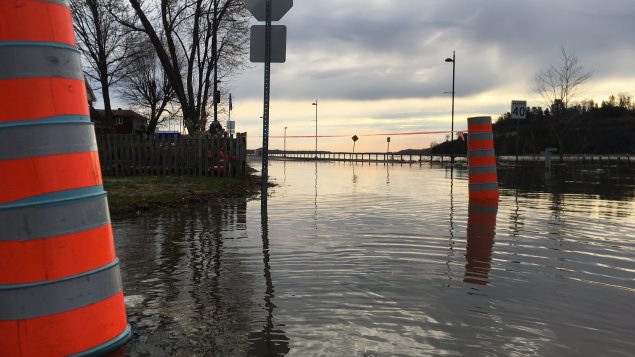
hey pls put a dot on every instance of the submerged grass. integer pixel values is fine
(134, 194)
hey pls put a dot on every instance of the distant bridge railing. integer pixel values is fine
(379, 157)
(420, 158)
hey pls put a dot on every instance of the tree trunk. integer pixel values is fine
(105, 92)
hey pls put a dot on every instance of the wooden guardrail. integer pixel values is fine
(131, 155)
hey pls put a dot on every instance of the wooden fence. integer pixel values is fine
(131, 155)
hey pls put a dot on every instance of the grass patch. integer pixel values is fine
(127, 195)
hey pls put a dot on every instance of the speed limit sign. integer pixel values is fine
(519, 109)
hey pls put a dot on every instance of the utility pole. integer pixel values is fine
(215, 56)
(316, 119)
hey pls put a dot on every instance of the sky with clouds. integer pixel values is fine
(377, 66)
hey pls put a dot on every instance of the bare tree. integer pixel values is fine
(561, 82)
(147, 86)
(185, 36)
(558, 85)
(105, 45)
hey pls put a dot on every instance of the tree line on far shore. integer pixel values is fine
(582, 127)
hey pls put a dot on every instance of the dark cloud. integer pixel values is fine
(380, 49)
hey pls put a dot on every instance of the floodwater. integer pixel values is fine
(374, 260)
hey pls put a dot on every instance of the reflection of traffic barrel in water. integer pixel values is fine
(483, 179)
(60, 286)
(481, 229)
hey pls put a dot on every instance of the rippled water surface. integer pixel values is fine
(353, 260)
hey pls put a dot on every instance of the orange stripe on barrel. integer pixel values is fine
(55, 257)
(479, 128)
(65, 333)
(39, 21)
(24, 178)
(482, 161)
(483, 178)
(37, 98)
(480, 144)
(484, 195)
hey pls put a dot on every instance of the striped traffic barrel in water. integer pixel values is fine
(60, 285)
(481, 230)
(483, 180)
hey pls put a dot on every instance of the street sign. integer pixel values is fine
(355, 138)
(278, 44)
(231, 127)
(278, 8)
(519, 109)
(388, 139)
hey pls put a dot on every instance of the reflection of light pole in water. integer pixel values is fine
(451, 230)
(316, 194)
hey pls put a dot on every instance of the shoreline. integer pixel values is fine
(132, 195)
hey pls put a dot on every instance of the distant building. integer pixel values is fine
(124, 122)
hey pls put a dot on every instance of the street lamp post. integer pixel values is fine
(453, 60)
(316, 119)
(285, 141)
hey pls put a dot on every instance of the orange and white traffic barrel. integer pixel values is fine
(483, 179)
(60, 285)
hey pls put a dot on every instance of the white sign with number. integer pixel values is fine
(519, 109)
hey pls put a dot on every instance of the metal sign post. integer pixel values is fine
(267, 10)
(519, 112)
(265, 112)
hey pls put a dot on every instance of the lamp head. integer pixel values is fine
(449, 60)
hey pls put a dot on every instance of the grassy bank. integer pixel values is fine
(130, 195)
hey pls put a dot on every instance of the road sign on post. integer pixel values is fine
(258, 8)
(519, 109)
(267, 10)
(278, 43)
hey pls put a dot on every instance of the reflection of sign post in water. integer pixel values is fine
(519, 111)
(266, 10)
